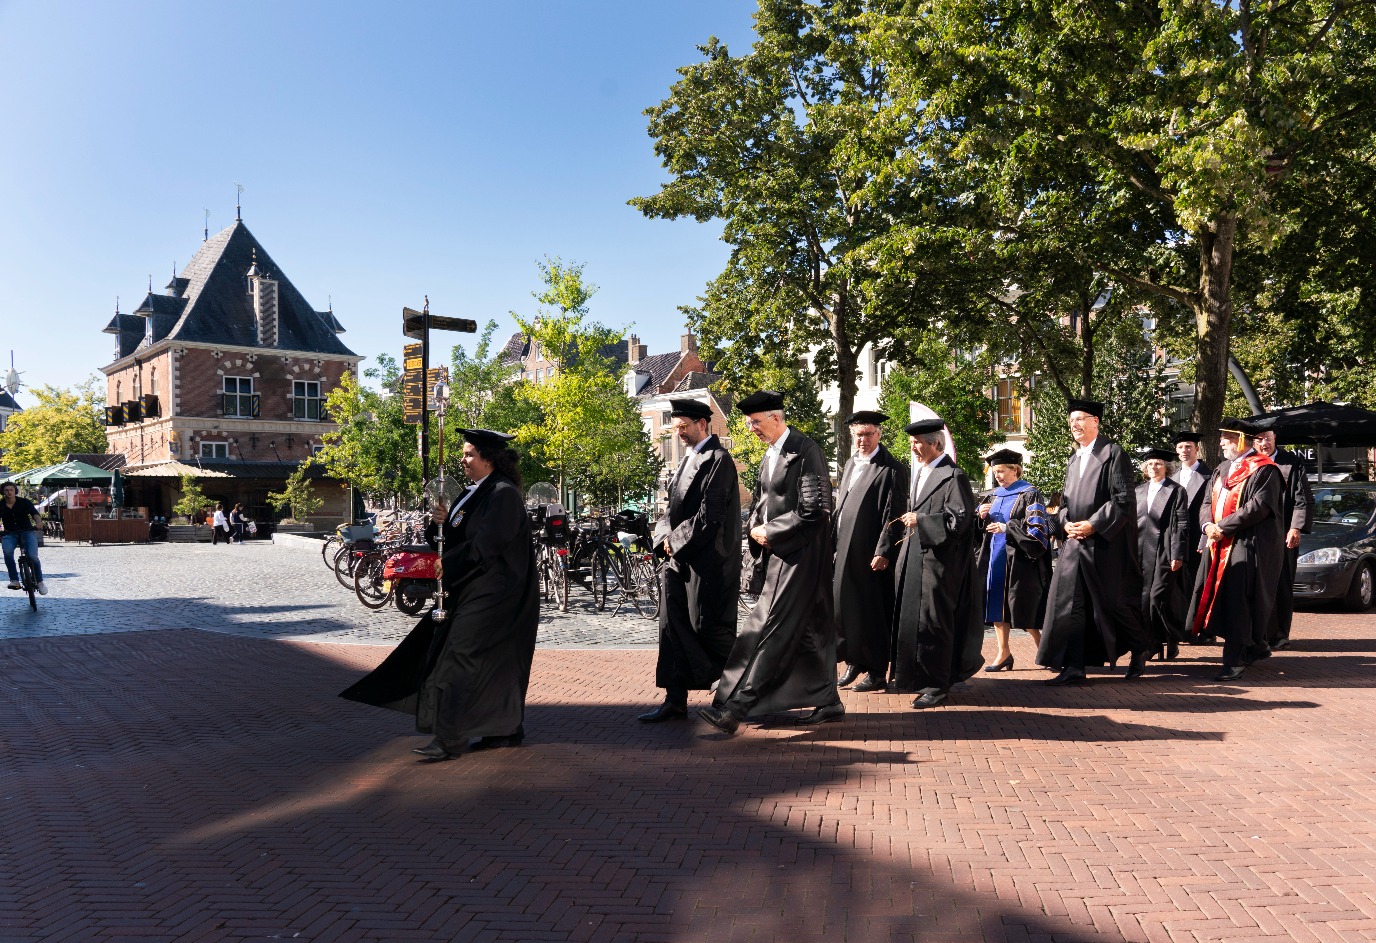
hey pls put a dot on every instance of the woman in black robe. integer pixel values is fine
(1162, 526)
(466, 676)
(1014, 558)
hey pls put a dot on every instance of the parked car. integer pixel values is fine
(1338, 560)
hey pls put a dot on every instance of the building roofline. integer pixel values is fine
(153, 350)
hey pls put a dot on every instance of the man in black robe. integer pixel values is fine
(700, 532)
(1162, 530)
(1241, 518)
(1192, 475)
(785, 654)
(1093, 610)
(938, 625)
(872, 494)
(1297, 502)
(466, 675)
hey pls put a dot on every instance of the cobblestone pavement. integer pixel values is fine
(257, 589)
(176, 785)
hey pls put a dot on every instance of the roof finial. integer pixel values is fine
(150, 283)
(116, 304)
(238, 210)
(205, 235)
(331, 303)
(253, 269)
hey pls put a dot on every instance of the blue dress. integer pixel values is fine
(997, 572)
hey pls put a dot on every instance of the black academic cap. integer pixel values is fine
(690, 409)
(1164, 455)
(866, 417)
(1004, 457)
(1237, 427)
(1091, 406)
(761, 401)
(924, 425)
(486, 437)
(1186, 436)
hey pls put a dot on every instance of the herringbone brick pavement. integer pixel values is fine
(183, 785)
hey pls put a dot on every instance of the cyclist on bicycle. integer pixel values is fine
(20, 521)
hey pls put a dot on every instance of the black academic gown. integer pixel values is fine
(702, 525)
(938, 625)
(785, 654)
(1297, 502)
(864, 527)
(1027, 566)
(1196, 487)
(1242, 610)
(467, 676)
(1093, 609)
(1161, 533)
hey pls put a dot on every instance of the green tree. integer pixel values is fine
(778, 145)
(1131, 381)
(298, 496)
(509, 410)
(373, 449)
(588, 432)
(954, 385)
(192, 501)
(64, 420)
(475, 381)
(1048, 439)
(1158, 144)
(802, 410)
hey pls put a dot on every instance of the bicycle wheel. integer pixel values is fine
(27, 580)
(344, 562)
(561, 581)
(329, 548)
(369, 585)
(599, 579)
(647, 587)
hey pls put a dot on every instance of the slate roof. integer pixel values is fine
(108, 461)
(7, 401)
(696, 380)
(515, 348)
(215, 306)
(657, 367)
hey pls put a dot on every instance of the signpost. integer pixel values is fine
(419, 378)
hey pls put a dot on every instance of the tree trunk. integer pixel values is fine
(1213, 315)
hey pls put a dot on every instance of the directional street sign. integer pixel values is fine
(417, 385)
(413, 323)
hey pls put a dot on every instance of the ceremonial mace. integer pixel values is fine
(441, 490)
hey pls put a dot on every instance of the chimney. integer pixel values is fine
(688, 344)
(635, 351)
(264, 291)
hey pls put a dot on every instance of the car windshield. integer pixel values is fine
(1344, 507)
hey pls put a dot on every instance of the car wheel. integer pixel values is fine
(1362, 589)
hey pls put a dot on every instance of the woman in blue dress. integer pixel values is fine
(1014, 557)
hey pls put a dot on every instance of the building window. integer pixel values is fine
(305, 400)
(317, 449)
(239, 398)
(214, 450)
(874, 369)
(1010, 406)
(153, 382)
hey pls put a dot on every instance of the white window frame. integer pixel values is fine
(300, 401)
(215, 449)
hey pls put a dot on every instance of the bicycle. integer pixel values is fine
(27, 578)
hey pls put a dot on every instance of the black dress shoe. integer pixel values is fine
(1136, 666)
(848, 676)
(824, 715)
(933, 699)
(720, 719)
(507, 740)
(870, 683)
(1067, 676)
(1172, 651)
(1005, 665)
(1280, 645)
(1230, 674)
(662, 713)
(434, 752)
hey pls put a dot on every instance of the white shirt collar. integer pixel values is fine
(869, 457)
(778, 445)
(1086, 449)
(702, 444)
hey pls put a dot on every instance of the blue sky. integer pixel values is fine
(388, 150)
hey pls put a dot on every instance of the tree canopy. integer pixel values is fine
(63, 421)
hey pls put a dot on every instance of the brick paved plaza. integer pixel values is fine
(175, 766)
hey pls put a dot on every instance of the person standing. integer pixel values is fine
(467, 675)
(1297, 503)
(1236, 588)
(1093, 610)
(236, 524)
(1192, 475)
(866, 530)
(1162, 527)
(1014, 558)
(19, 523)
(937, 628)
(700, 533)
(219, 526)
(785, 655)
